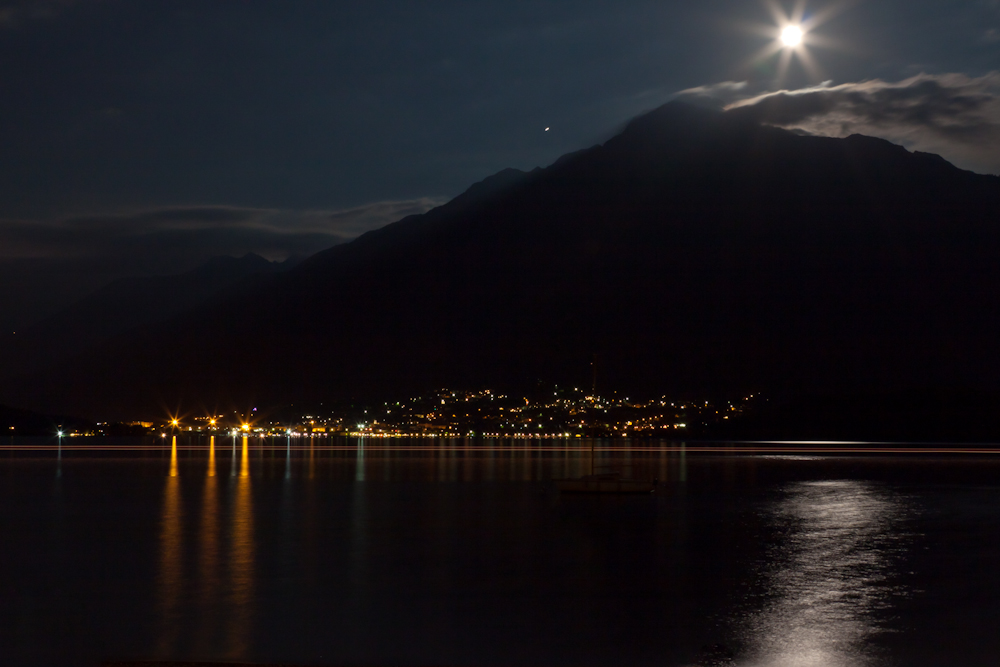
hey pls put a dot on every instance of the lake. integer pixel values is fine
(455, 552)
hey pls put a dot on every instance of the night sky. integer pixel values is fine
(145, 137)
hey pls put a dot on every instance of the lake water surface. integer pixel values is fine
(462, 553)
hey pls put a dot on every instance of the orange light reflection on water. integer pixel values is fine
(173, 457)
(171, 576)
(174, 584)
(750, 447)
(209, 556)
(211, 457)
(241, 562)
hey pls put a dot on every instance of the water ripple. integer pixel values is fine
(828, 577)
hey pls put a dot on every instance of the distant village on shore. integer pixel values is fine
(556, 412)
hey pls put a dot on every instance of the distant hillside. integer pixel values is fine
(940, 415)
(695, 252)
(14, 422)
(126, 304)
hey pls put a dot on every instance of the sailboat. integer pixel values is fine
(602, 482)
(609, 482)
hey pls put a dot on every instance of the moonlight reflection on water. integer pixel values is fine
(828, 581)
(463, 553)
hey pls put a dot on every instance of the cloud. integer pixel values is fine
(356, 221)
(717, 94)
(173, 239)
(47, 264)
(954, 115)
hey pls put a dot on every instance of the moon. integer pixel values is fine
(791, 36)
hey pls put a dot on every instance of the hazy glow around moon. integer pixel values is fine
(791, 36)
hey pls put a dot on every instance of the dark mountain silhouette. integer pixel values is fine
(694, 252)
(922, 415)
(19, 423)
(126, 304)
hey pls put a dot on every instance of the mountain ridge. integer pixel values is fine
(127, 303)
(693, 251)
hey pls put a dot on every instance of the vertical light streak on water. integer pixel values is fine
(211, 456)
(359, 462)
(390, 468)
(61, 558)
(359, 532)
(312, 459)
(288, 561)
(171, 574)
(468, 469)
(442, 458)
(288, 457)
(232, 466)
(309, 519)
(245, 459)
(491, 462)
(241, 562)
(208, 556)
(682, 464)
(173, 456)
(360, 573)
(452, 460)
(577, 466)
(827, 581)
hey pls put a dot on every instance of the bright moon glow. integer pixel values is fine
(791, 36)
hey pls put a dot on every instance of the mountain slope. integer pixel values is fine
(126, 304)
(695, 251)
